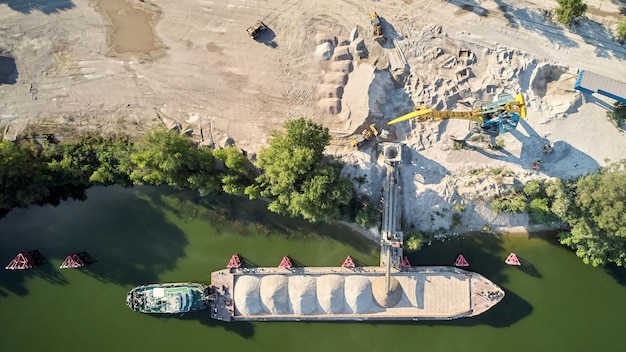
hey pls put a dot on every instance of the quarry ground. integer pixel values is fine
(122, 66)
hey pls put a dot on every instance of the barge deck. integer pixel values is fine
(358, 294)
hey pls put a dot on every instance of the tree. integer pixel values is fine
(414, 241)
(597, 218)
(297, 178)
(91, 160)
(621, 30)
(165, 157)
(20, 177)
(569, 10)
(618, 114)
(561, 199)
(533, 188)
(239, 172)
(513, 203)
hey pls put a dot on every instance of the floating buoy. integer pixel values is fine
(285, 263)
(72, 261)
(460, 261)
(22, 261)
(405, 262)
(26, 260)
(234, 262)
(512, 260)
(348, 263)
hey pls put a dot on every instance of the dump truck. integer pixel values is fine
(378, 28)
(258, 28)
(367, 134)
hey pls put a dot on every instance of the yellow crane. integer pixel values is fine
(500, 116)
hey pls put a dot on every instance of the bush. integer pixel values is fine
(533, 188)
(539, 211)
(569, 10)
(621, 30)
(366, 216)
(618, 114)
(414, 241)
(513, 204)
(456, 220)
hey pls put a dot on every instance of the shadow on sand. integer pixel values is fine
(47, 7)
(267, 38)
(565, 161)
(536, 21)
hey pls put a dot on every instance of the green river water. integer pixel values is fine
(144, 235)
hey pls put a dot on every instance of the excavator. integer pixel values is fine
(378, 28)
(500, 116)
(367, 134)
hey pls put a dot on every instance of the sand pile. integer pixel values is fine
(358, 290)
(330, 294)
(293, 294)
(303, 294)
(274, 294)
(554, 84)
(247, 296)
(384, 298)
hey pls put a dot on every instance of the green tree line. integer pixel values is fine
(292, 172)
(592, 208)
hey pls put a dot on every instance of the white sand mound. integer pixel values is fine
(324, 51)
(330, 91)
(342, 53)
(338, 78)
(274, 294)
(355, 94)
(555, 85)
(344, 66)
(330, 105)
(303, 294)
(247, 297)
(358, 293)
(330, 294)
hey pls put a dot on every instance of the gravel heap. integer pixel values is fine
(305, 295)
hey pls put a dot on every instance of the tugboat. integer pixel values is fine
(171, 298)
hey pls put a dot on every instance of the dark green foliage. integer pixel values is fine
(415, 240)
(539, 211)
(561, 198)
(21, 179)
(618, 114)
(239, 172)
(92, 159)
(569, 10)
(597, 218)
(367, 215)
(456, 220)
(31, 174)
(621, 30)
(533, 188)
(512, 203)
(165, 157)
(297, 178)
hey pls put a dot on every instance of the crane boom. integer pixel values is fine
(500, 116)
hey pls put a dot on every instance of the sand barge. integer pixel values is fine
(330, 293)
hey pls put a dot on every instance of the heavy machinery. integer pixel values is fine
(367, 134)
(258, 28)
(378, 28)
(500, 116)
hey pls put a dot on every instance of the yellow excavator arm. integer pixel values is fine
(422, 114)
